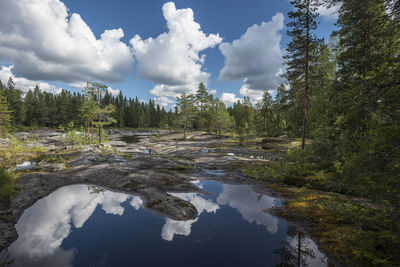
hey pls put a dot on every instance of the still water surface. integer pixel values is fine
(83, 225)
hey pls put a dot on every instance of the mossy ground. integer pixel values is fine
(355, 231)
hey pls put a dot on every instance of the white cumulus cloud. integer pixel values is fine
(25, 84)
(172, 59)
(255, 95)
(172, 227)
(329, 13)
(250, 205)
(44, 226)
(255, 58)
(43, 42)
(163, 101)
(229, 98)
(212, 92)
(112, 91)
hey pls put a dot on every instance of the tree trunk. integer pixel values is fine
(87, 131)
(99, 129)
(184, 129)
(99, 134)
(265, 123)
(201, 116)
(305, 104)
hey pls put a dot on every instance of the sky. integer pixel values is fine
(150, 49)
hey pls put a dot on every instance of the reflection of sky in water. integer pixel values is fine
(44, 226)
(249, 204)
(82, 225)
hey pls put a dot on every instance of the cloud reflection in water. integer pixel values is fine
(44, 226)
(248, 203)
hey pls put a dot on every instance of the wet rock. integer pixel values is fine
(175, 208)
(115, 143)
(53, 167)
(4, 141)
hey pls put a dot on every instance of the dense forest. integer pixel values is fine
(340, 96)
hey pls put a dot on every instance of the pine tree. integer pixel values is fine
(265, 106)
(202, 97)
(301, 51)
(15, 102)
(185, 105)
(280, 106)
(96, 91)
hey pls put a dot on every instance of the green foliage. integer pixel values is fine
(42, 109)
(73, 136)
(203, 99)
(7, 186)
(243, 114)
(301, 56)
(4, 115)
(186, 108)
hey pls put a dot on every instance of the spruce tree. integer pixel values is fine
(368, 96)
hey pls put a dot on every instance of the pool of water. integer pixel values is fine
(26, 165)
(131, 139)
(135, 137)
(83, 225)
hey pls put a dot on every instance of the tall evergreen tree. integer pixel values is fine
(280, 105)
(202, 97)
(15, 102)
(185, 105)
(301, 50)
(265, 106)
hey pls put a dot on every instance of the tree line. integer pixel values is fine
(42, 109)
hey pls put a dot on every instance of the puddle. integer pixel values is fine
(26, 165)
(131, 139)
(83, 225)
(214, 172)
(207, 150)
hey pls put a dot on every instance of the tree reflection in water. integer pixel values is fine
(296, 251)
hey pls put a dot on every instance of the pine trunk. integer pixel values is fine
(305, 104)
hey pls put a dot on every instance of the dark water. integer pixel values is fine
(81, 225)
(135, 137)
(131, 139)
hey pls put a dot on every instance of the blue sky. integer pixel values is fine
(159, 71)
